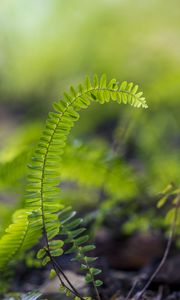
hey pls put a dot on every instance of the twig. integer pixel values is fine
(132, 289)
(170, 239)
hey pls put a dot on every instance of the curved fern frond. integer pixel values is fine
(42, 199)
(43, 180)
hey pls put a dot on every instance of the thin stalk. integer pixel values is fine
(132, 289)
(93, 282)
(169, 243)
(68, 281)
(57, 267)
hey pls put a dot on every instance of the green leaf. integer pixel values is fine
(98, 282)
(82, 240)
(161, 202)
(56, 244)
(95, 271)
(76, 232)
(96, 81)
(52, 232)
(123, 85)
(103, 81)
(41, 253)
(52, 274)
(112, 84)
(68, 98)
(68, 293)
(88, 278)
(90, 259)
(88, 83)
(45, 260)
(74, 224)
(129, 86)
(66, 217)
(84, 267)
(57, 252)
(170, 216)
(87, 248)
(70, 250)
(135, 89)
(78, 257)
(73, 92)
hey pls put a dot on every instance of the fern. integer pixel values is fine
(13, 171)
(71, 229)
(20, 236)
(43, 193)
(42, 198)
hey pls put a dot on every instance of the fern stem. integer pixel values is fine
(56, 267)
(93, 281)
(61, 281)
(68, 281)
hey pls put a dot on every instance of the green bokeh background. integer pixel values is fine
(47, 45)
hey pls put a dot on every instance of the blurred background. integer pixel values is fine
(129, 155)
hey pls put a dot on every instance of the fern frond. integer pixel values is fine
(43, 180)
(42, 189)
(70, 228)
(20, 236)
(12, 172)
(42, 199)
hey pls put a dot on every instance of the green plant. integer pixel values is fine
(44, 211)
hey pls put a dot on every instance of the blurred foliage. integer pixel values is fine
(48, 42)
(45, 46)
